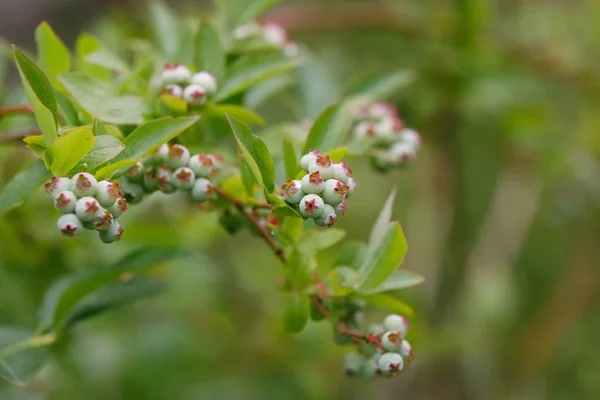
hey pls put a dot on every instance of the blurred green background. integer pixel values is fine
(501, 212)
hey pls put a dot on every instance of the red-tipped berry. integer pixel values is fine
(352, 185)
(88, 209)
(56, 185)
(132, 192)
(175, 73)
(69, 225)
(340, 209)
(184, 178)
(201, 191)
(365, 130)
(118, 208)
(164, 181)
(83, 184)
(206, 80)
(382, 110)
(334, 192)
(292, 191)
(391, 364)
(398, 323)
(158, 156)
(194, 94)
(402, 152)
(178, 156)
(107, 193)
(217, 160)
(311, 206)
(173, 90)
(341, 172)
(392, 341)
(306, 159)
(390, 129)
(313, 183)
(112, 233)
(411, 136)
(322, 164)
(103, 221)
(406, 351)
(202, 165)
(64, 202)
(136, 172)
(328, 217)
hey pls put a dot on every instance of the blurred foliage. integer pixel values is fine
(501, 213)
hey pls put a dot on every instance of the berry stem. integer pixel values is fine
(241, 206)
(16, 109)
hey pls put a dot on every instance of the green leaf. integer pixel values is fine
(209, 54)
(114, 170)
(39, 94)
(251, 70)
(329, 129)
(383, 257)
(352, 255)
(295, 314)
(256, 154)
(247, 177)
(337, 154)
(105, 148)
(291, 229)
(22, 184)
(53, 56)
(70, 147)
(300, 266)
(381, 86)
(388, 302)
(290, 160)
(340, 280)
(316, 240)
(252, 9)
(87, 44)
(384, 218)
(67, 109)
(152, 134)
(106, 59)
(62, 298)
(399, 279)
(20, 354)
(245, 115)
(258, 94)
(171, 106)
(98, 99)
(167, 29)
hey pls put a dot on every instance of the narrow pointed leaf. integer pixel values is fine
(53, 56)
(399, 279)
(329, 129)
(209, 54)
(22, 184)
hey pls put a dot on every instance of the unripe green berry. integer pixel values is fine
(136, 172)
(306, 159)
(158, 156)
(107, 193)
(150, 183)
(398, 323)
(292, 191)
(365, 130)
(370, 369)
(402, 152)
(206, 80)
(132, 192)
(104, 221)
(112, 233)
(201, 191)
(353, 364)
(390, 364)
(183, 178)
(340, 209)
(392, 341)
(382, 110)
(217, 160)
(352, 185)
(334, 192)
(178, 156)
(118, 208)
(328, 217)
(64, 202)
(406, 351)
(202, 165)
(83, 184)
(341, 172)
(175, 73)
(311, 206)
(164, 181)
(322, 164)
(194, 94)
(88, 209)
(173, 90)
(390, 129)
(412, 137)
(56, 185)
(312, 183)
(69, 225)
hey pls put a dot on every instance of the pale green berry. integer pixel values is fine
(201, 191)
(406, 351)
(112, 233)
(398, 323)
(202, 165)
(217, 160)
(292, 191)
(69, 225)
(340, 209)
(88, 209)
(334, 192)
(173, 90)
(370, 369)
(322, 164)
(312, 183)
(164, 181)
(390, 129)
(178, 156)
(64, 202)
(402, 152)
(390, 364)
(150, 183)
(56, 185)
(352, 185)
(194, 94)
(392, 341)
(328, 217)
(118, 208)
(306, 159)
(311, 206)
(136, 172)
(104, 221)
(107, 193)
(412, 137)
(183, 178)
(353, 364)
(158, 156)
(132, 192)
(83, 184)
(206, 80)
(175, 73)
(365, 130)
(341, 172)
(382, 110)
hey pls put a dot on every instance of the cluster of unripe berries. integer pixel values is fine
(388, 354)
(393, 144)
(321, 194)
(270, 32)
(179, 81)
(169, 168)
(87, 203)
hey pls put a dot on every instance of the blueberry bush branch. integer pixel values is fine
(179, 123)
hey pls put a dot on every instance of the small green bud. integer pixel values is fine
(353, 364)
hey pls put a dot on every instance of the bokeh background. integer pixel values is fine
(501, 212)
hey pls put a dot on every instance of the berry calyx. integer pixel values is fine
(201, 191)
(398, 323)
(107, 193)
(195, 94)
(112, 233)
(69, 225)
(183, 178)
(64, 202)
(313, 183)
(352, 185)
(158, 156)
(118, 208)
(136, 172)
(334, 192)
(390, 364)
(83, 184)
(201, 164)
(178, 156)
(306, 159)
(406, 351)
(292, 191)
(173, 90)
(342, 172)
(311, 206)
(392, 341)
(328, 217)
(56, 185)
(340, 209)
(323, 165)
(88, 209)
(175, 73)
(103, 221)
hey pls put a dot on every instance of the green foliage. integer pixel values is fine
(209, 53)
(68, 150)
(329, 129)
(53, 56)
(22, 184)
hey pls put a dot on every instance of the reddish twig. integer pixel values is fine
(241, 206)
(18, 109)
(17, 136)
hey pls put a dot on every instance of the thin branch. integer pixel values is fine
(241, 206)
(18, 109)
(17, 136)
